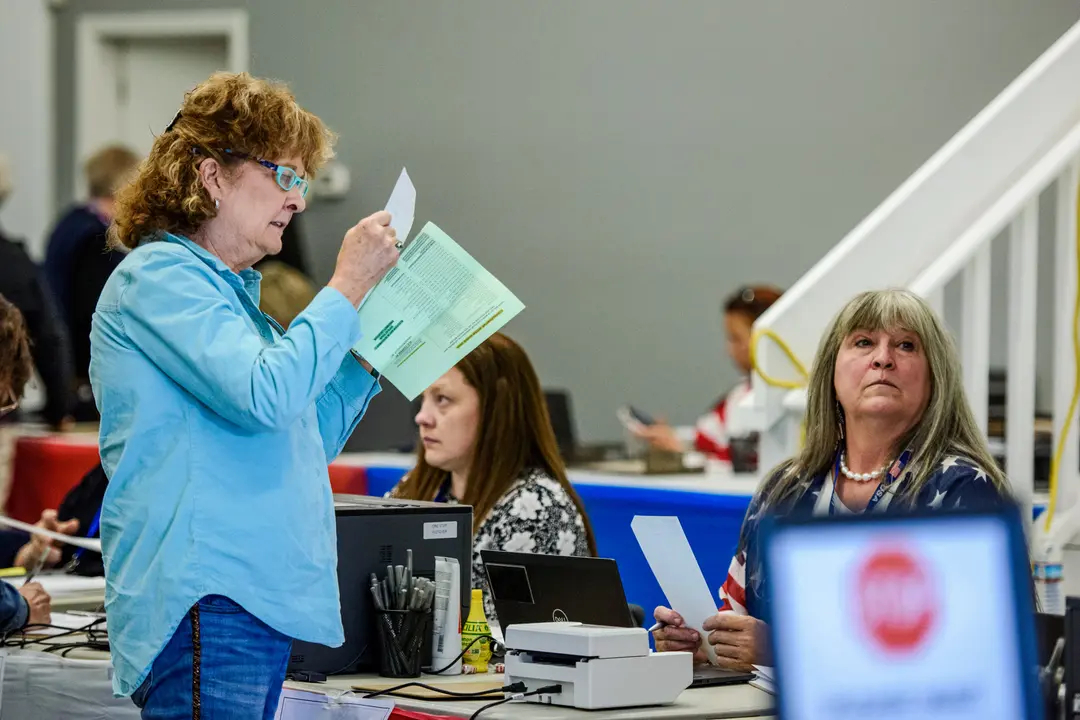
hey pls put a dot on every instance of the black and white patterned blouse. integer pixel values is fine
(536, 515)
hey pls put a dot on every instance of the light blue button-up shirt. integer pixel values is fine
(216, 432)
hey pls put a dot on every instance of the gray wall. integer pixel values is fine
(622, 164)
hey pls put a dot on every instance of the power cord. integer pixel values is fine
(517, 687)
(786, 349)
(463, 651)
(1055, 461)
(547, 690)
(23, 636)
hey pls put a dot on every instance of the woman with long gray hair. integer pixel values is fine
(888, 428)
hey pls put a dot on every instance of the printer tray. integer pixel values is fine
(712, 676)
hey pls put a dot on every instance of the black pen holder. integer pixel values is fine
(401, 641)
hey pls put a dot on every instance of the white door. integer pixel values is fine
(149, 79)
(133, 70)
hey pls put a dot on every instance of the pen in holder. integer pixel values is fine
(401, 639)
(403, 606)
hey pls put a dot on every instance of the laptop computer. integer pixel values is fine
(902, 616)
(528, 588)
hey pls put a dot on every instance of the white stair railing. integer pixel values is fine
(939, 225)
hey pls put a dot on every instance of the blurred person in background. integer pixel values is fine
(711, 434)
(21, 283)
(30, 604)
(78, 260)
(285, 291)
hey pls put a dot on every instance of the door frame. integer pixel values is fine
(94, 114)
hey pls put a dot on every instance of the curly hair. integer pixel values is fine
(228, 111)
(16, 364)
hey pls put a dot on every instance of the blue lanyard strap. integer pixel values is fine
(93, 531)
(886, 482)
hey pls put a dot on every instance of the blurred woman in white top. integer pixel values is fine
(711, 434)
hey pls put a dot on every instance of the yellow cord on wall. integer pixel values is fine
(787, 384)
(799, 367)
(1055, 462)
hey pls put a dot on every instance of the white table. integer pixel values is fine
(736, 701)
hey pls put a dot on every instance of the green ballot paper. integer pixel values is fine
(432, 309)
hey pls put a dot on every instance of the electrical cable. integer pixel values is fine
(786, 349)
(1055, 461)
(548, 690)
(464, 650)
(478, 694)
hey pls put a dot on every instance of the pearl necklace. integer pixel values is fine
(860, 477)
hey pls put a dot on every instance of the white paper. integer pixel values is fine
(59, 584)
(765, 671)
(307, 705)
(763, 683)
(85, 543)
(402, 206)
(665, 546)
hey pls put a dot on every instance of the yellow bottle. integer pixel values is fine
(476, 626)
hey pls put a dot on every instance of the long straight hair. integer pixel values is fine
(514, 434)
(947, 426)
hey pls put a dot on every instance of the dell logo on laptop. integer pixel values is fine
(558, 615)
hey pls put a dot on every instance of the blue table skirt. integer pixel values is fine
(711, 522)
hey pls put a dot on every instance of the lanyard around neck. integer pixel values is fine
(881, 498)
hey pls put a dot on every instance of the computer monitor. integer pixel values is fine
(561, 413)
(902, 616)
(371, 534)
(528, 588)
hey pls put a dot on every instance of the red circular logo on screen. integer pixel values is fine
(896, 600)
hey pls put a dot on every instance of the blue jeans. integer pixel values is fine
(222, 662)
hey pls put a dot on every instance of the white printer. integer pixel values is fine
(598, 667)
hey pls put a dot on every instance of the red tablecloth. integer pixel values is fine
(46, 468)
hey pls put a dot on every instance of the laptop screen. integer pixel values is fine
(901, 618)
(528, 588)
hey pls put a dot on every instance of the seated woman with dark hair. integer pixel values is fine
(486, 441)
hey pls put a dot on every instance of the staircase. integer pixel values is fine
(938, 225)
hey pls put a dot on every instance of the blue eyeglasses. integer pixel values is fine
(286, 177)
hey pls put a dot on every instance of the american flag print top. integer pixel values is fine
(956, 483)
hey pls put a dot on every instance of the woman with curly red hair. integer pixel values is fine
(217, 424)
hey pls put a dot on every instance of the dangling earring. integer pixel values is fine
(217, 204)
(840, 419)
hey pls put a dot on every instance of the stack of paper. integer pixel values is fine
(764, 679)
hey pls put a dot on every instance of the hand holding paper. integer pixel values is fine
(433, 308)
(402, 206)
(367, 253)
(668, 552)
